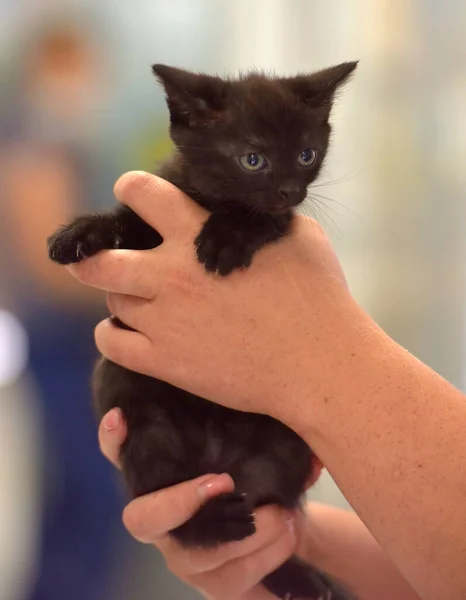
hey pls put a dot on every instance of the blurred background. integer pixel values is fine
(79, 106)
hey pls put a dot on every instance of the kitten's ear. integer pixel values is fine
(318, 89)
(192, 98)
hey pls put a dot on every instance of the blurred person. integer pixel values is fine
(51, 169)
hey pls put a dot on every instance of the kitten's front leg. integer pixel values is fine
(232, 235)
(89, 234)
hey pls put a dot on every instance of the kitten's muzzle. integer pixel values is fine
(288, 190)
(289, 195)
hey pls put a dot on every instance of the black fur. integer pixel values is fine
(173, 435)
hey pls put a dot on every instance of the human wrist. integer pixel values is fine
(337, 542)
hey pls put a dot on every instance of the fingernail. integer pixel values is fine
(112, 420)
(218, 484)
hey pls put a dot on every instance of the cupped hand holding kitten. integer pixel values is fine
(332, 538)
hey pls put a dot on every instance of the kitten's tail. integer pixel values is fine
(296, 580)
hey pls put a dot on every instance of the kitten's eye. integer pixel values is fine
(252, 162)
(307, 157)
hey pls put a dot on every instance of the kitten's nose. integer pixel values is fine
(288, 190)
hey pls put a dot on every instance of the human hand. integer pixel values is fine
(230, 572)
(250, 340)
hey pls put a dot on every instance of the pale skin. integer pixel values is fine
(285, 337)
(332, 539)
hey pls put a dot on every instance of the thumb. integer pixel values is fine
(149, 517)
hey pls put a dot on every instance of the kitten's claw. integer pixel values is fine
(224, 519)
(81, 239)
(221, 254)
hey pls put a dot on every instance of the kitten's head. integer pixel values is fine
(257, 140)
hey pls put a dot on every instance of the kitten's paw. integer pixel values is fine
(81, 239)
(227, 518)
(222, 251)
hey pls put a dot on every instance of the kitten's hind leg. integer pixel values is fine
(226, 518)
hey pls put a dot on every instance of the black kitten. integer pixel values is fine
(246, 150)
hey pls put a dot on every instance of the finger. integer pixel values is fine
(121, 271)
(316, 471)
(152, 516)
(238, 577)
(160, 204)
(129, 349)
(129, 309)
(258, 593)
(112, 434)
(271, 523)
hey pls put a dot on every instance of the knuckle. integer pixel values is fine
(134, 523)
(318, 229)
(308, 222)
(131, 520)
(182, 505)
(105, 342)
(132, 183)
(181, 280)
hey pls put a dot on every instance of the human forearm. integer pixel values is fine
(393, 439)
(337, 542)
